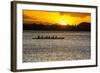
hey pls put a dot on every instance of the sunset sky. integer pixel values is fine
(50, 18)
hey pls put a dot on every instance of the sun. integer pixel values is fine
(63, 22)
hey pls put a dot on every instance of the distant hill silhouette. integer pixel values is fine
(84, 26)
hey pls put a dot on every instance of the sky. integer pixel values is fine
(59, 18)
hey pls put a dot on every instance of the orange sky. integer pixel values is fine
(61, 18)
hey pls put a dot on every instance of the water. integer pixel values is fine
(74, 46)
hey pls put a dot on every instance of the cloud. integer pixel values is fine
(71, 18)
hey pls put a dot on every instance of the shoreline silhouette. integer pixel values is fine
(84, 26)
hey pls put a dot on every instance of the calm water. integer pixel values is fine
(74, 46)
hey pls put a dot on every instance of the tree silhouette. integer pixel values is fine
(84, 26)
